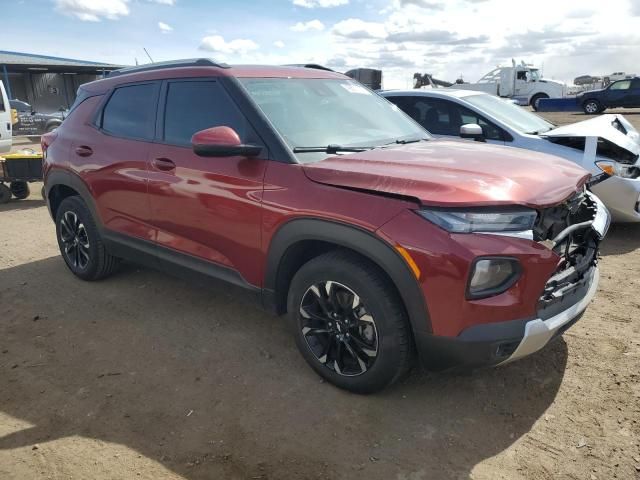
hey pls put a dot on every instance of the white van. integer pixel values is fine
(5, 121)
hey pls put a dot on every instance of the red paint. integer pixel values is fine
(227, 210)
(216, 136)
(455, 173)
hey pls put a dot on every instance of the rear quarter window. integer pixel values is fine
(130, 112)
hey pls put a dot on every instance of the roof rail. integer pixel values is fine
(310, 65)
(190, 62)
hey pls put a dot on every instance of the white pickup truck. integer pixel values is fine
(523, 83)
(5, 121)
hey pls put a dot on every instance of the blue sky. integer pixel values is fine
(448, 39)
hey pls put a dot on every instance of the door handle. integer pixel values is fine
(163, 164)
(84, 151)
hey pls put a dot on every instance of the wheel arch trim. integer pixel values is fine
(56, 178)
(354, 238)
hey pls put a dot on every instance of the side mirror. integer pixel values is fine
(472, 131)
(221, 142)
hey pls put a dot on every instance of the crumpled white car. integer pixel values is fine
(607, 144)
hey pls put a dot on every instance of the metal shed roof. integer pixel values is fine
(25, 61)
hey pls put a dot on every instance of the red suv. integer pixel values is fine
(324, 201)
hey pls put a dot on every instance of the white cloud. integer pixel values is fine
(428, 4)
(310, 25)
(356, 28)
(165, 28)
(93, 10)
(164, 2)
(217, 43)
(278, 43)
(319, 3)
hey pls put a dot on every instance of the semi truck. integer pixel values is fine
(522, 83)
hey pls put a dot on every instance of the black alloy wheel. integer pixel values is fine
(74, 240)
(349, 322)
(338, 329)
(80, 242)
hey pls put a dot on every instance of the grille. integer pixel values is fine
(566, 229)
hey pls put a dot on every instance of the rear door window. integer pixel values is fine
(192, 106)
(131, 112)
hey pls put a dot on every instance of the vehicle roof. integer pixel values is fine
(238, 71)
(433, 92)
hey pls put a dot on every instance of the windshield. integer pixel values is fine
(535, 75)
(321, 112)
(509, 114)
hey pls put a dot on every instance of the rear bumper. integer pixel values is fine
(504, 342)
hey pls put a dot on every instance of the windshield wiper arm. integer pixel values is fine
(330, 149)
(404, 141)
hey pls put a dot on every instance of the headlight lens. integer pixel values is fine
(492, 276)
(613, 168)
(487, 221)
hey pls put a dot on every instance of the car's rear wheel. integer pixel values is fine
(592, 107)
(349, 322)
(80, 243)
(20, 190)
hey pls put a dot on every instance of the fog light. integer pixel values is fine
(492, 276)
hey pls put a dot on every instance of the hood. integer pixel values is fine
(553, 82)
(612, 128)
(455, 173)
(582, 93)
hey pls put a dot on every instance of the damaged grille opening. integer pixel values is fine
(606, 149)
(567, 230)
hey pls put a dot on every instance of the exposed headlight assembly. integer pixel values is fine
(613, 168)
(507, 221)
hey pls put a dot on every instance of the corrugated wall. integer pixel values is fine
(48, 92)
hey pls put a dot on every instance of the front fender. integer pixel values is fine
(365, 243)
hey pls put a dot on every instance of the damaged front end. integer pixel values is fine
(609, 141)
(573, 230)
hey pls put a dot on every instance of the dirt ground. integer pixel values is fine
(145, 376)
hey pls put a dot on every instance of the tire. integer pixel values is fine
(43, 193)
(535, 98)
(5, 194)
(366, 344)
(20, 190)
(80, 243)
(51, 128)
(592, 107)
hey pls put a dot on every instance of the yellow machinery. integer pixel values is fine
(18, 170)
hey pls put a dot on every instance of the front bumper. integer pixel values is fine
(538, 332)
(621, 196)
(503, 342)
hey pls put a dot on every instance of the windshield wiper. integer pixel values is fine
(539, 132)
(330, 149)
(404, 141)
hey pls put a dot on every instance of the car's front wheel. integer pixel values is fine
(349, 322)
(80, 243)
(592, 107)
